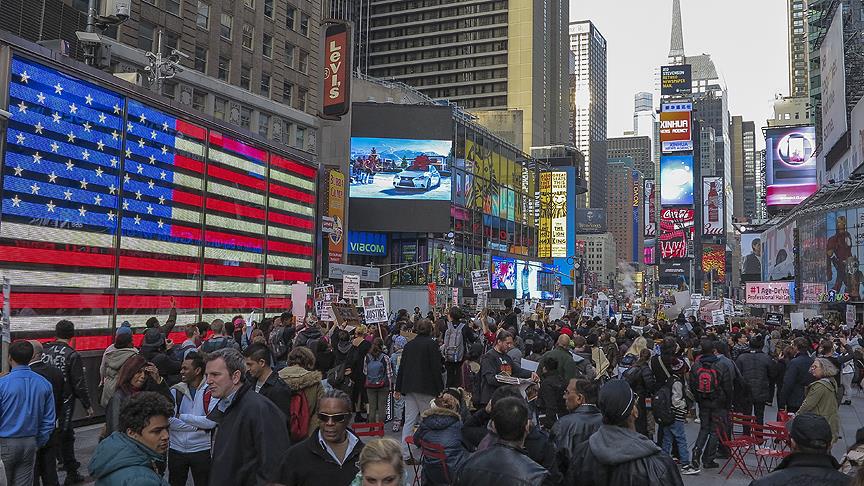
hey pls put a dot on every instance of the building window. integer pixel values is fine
(248, 32)
(249, 4)
(287, 93)
(302, 94)
(267, 45)
(289, 55)
(263, 125)
(300, 137)
(199, 99)
(169, 89)
(145, 35)
(173, 6)
(203, 18)
(265, 85)
(268, 8)
(304, 24)
(220, 108)
(290, 17)
(201, 59)
(286, 133)
(226, 25)
(245, 117)
(224, 69)
(303, 64)
(246, 77)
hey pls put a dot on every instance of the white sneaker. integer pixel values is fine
(689, 470)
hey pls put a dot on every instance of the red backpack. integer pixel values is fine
(707, 380)
(299, 416)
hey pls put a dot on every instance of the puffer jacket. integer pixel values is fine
(298, 378)
(501, 465)
(120, 460)
(615, 456)
(757, 370)
(111, 364)
(805, 469)
(441, 426)
(820, 397)
(573, 430)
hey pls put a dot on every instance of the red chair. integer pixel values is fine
(738, 448)
(431, 450)
(777, 447)
(371, 429)
(415, 465)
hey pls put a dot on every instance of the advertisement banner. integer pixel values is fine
(676, 180)
(833, 86)
(544, 232)
(675, 131)
(590, 220)
(397, 168)
(432, 294)
(650, 214)
(676, 80)
(503, 273)
(673, 249)
(336, 211)
(845, 251)
(714, 262)
(776, 293)
(778, 246)
(365, 243)
(337, 69)
(558, 238)
(637, 202)
(712, 206)
(751, 256)
(374, 309)
(649, 253)
(675, 275)
(790, 166)
(480, 282)
(812, 293)
(676, 220)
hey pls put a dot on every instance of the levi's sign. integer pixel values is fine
(337, 70)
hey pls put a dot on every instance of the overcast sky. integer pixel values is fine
(746, 40)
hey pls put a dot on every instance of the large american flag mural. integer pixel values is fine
(111, 207)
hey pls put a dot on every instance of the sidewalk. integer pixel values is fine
(851, 419)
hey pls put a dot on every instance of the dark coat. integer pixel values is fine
(247, 448)
(550, 402)
(757, 370)
(69, 362)
(805, 469)
(796, 378)
(443, 427)
(278, 392)
(55, 377)
(308, 464)
(573, 430)
(491, 364)
(420, 368)
(615, 456)
(501, 465)
(721, 398)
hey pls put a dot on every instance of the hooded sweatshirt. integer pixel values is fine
(111, 364)
(442, 426)
(120, 460)
(621, 457)
(309, 382)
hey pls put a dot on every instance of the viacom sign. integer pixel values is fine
(370, 244)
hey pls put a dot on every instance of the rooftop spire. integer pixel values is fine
(676, 49)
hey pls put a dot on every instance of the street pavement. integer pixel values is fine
(851, 419)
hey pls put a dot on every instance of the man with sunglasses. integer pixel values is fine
(329, 456)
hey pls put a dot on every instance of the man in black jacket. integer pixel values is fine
(617, 455)
(247, 448)
(329, 456)
(46, 456)
(419, 378)
(584, 419)
(498, 362)
(68, 361)
(505, 462)
(756, 369)
(811, 461)
(709, 374)
(796, 378)
(266, 382)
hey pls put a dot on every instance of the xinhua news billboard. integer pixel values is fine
(676, 133)
(790, 165)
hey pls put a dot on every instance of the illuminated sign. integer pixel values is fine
(675, 80)
(544, 233)
(559, 215)
(365, 243)
(712, 206)
(676, 180)
(336, 210)
(771, 293)
(650, 213)
(675, 131)
(790, 165)
(337, 70)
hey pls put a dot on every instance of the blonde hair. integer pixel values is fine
(383, 450)
(638, 345)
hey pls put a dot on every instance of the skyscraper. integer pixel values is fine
(799, 69)
(744, 197)
(637, 148)
(588, 107)
(510, 57)
(619, 208)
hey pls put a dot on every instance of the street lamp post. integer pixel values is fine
(163, 67)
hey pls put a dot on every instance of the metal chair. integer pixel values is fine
(370, 429)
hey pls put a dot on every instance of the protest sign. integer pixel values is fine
(374, 309)
(351, 287)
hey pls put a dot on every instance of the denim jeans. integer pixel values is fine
(676, 431)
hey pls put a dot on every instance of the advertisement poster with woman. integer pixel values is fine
(779, 259)
(844, 250)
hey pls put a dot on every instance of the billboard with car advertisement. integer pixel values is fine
(790, 166)
(676, 180)
(395, 168)
(712, 206)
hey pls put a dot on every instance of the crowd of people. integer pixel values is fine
(496, 398)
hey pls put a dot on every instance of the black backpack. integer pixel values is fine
(661, 403)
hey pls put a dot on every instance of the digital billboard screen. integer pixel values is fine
(528, 280)
(675, 80)
(778, 247)
(396, 168)
(675, 127)
(790, 165)
(751, 257)
(650, 213)
(676, 180)
(503, 273)
(713, 206)
(590, 220)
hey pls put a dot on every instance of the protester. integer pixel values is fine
(267, 382)
(457, 337)
(27, 415)
(247, 447)
(380, 464)
(189, 426)
(505, 462)
(398, 411)
(329, 456)
(155, 350)
(569, 365)
(616, 454)
(712, 388)
(164, 329)
(641, 379)
(442, 425)
(113, 360)
(193, 340)
(218, 340)
(379, 375)
(303, 379)
(46, 457)
(419, 379)
(572, 430)
(355, 361)
(550, 403)
(135, 376)
(64, 357)
(757, 369)
(796, 378)
(498, 362)
(129, 455)
(811, 461)
(820, 397)
(678, 406)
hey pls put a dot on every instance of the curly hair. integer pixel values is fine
(137, 411)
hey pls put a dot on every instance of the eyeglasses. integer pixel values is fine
(337, 418)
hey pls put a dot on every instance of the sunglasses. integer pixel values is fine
(336, 419)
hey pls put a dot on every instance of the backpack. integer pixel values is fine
(661, 404)
(179, 353)
(454, 344)
(376, 372)
(277, 345)
(632, 376)
(214, 344)
(300, 416)
(707, 380)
